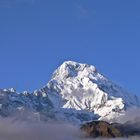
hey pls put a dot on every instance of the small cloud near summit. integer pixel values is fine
(82, 10)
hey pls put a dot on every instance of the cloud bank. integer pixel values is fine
(11, 129)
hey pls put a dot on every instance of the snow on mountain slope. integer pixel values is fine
(82, 87)
(76, 93)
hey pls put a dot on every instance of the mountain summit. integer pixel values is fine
(76, 93)
(82, 87)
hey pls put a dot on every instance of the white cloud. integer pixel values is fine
(11, 129)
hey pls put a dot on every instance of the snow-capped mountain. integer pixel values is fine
(76, 93)
(82, 87)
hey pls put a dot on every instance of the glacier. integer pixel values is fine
(76, 93)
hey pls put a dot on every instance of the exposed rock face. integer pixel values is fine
(101, 129)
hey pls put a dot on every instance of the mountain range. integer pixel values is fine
(76, 93)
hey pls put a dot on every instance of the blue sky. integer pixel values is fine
(36, 36)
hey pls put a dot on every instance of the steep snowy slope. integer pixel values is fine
(82, 87)
(76, 93)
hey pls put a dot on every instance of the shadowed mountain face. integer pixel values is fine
(103, 129)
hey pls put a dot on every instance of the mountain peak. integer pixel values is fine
(77, 66)
(72, 69)
(81, 87)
